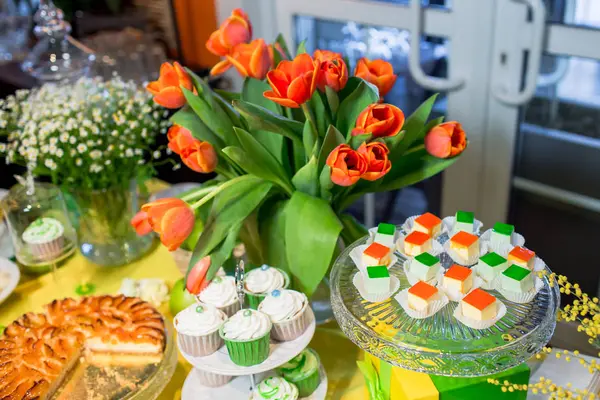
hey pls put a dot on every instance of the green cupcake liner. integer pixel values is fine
(250, 352)
(308, 385)
(254, 299)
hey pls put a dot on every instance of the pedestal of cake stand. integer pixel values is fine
(237, 389)
(440, 345)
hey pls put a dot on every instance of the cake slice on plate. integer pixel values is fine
(479, 305)
(385, 235)
(465, 244)
(420, 295)
(501, 234)
(522, 256)
(517, 279)
(428, 223)
(424, 266)
(377, 254)
(491, 265)
(458, 279)
(377, 279)
(416, 243)
(464, 221)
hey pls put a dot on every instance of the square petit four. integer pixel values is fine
(458, 279)
(464, 221)
(385, 235)
(416, 243)
(522, 256)
(377, 279)
(428, 223)
(465, 244)
(424, 266)
(377, 254)
(501, 234)
(479, 305)
(491, 265)
(421, 295)
(517, 279)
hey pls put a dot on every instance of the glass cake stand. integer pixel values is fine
(440, 345)
(139, 381)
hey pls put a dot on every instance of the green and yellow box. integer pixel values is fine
(395, 383)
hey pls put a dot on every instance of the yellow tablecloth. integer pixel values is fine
(337, 353)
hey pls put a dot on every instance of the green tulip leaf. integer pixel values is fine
(326, 184)
(262, 119)
(311, 228)
(413, 128)
(189, 120)
(363, 96)
(353, 230)
(272, 232)
(333, 138)
(250, 236)
(281, 42)
(227, 95)
(320, 112)
(301, 48)
(356, 141)
(215, 118)
(332, 99)
(223, 251)
(231, 112)
(305, 179)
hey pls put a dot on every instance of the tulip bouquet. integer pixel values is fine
(300, 143)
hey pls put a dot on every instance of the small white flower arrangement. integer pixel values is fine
(91, 134)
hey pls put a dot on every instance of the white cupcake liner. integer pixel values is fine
(525, 297)
(467, 262)
(357, 280)
(289, 330)
(474, 324)
(212, 380)
(200, 346)
(538, 264)
(434, 306)
(436, 247)
(449, 222)
(457, 296)
(516, 239)
(487, 285)
(48, 251)
(412, 279)
(356, 256)
(408, 225)
(231, 309)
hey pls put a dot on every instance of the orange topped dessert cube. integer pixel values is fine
(465, 244)
(420, 295)
(522, 257)
(458, 279)
(376, 254)
(479, 305)
(416, 243)
(428, 223)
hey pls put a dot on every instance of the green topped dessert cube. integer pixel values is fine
(517, 279)
(490, 266)
(386, 235)
(464, 222)
(501, 234)
(424, 266)
(377, 279)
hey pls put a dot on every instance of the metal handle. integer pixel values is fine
(414, 60)
(538, 21)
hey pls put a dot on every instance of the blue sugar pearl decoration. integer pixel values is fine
(275, 293)
(264, 267)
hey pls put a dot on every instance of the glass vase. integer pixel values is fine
(105, 234)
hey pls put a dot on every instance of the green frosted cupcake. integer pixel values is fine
(247, 336)
(261, 281)
(303, 371)
(274, 388)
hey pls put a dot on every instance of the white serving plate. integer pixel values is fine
(14, 275)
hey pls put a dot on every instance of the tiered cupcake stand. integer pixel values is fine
(245, 378)
(440, 345)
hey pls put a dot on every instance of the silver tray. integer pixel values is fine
(440, 345)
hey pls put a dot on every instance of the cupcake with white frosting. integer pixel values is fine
(288, 311)
(197, 329)
(45, 238)
(247, 335)
(275, 388)
(261, 281)
(221, 293)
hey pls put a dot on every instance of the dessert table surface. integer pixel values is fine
(337, 353)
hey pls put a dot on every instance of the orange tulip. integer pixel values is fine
(200, 157)
(196, 280)
(293, 82)
(179, 138)
(236, 29)
(167, 89)
(141, 224)
(376, 154)
(332, 73)
(378, 72)
(325, 55)
(172, 219)
(380, 120)
(252, 59)
(446, 140)
(347, 165)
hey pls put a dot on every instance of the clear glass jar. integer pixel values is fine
(39, 225)
(105, 234)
